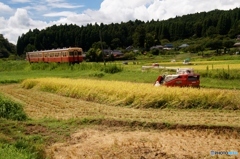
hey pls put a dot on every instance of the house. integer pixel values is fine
(117, 53)
(237, 45)
(168, 46)
(160, 47)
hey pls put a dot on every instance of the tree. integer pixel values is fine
(99, 45)
(6, 48)
(149, 41)
(211, 31)
(214, 44)
(94, 55)
(224, 25)
(139, 36)
(116, 43)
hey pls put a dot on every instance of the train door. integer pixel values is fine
(75, 57)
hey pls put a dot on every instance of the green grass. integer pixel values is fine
(8, 151)
(17, 71)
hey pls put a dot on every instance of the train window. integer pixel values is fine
(45, 54)
(75, 53)
(70, 53)
(51, 54)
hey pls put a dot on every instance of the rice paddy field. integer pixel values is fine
(90, 113)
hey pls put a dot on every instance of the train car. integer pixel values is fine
(64, 55)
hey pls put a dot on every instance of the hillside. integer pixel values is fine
(208, 26)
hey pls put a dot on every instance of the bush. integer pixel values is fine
(129, 56)
(112, 69)
(11, 110)
(11, 152)
(155, 51)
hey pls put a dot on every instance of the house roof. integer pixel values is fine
(169, 45)
(156, 47)
(237, 44)
(183, 45)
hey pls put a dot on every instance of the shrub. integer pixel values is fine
(11, 110)
(112, 69)
(11, 152)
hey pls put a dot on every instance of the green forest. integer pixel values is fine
(217, 29)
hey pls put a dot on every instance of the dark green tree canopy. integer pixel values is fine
(134, 33)
(6, 48)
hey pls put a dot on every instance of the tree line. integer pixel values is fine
(139, 34)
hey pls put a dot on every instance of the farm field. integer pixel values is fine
(83, 112)
(124, 132)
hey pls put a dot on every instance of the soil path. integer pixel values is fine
(98, 144)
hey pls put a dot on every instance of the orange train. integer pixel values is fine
(64, 55)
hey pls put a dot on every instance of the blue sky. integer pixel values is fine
(18, 16)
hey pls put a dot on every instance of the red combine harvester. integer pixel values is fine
(184, 77)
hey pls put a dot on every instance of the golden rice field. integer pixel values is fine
(138, 95)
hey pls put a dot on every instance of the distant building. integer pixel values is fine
(238, 37)
(168, 46)
(129, 48)
(183, 46)
(160, 47)
(237, 45)
(117, 53)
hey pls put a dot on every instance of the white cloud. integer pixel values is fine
(5, 9)
(59, 14)
(50, 12)
(61, 4)
(19, 23)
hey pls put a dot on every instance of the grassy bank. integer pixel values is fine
(12, 144)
